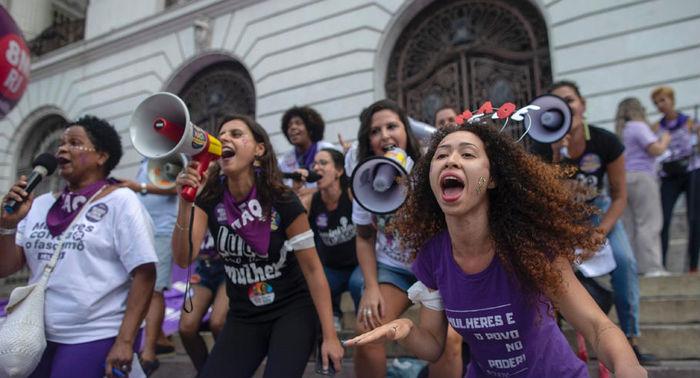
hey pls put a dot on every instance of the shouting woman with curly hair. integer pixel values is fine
(495, 232)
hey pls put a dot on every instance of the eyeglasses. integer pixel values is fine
(77, 147)
(81, 148)
(321, 162)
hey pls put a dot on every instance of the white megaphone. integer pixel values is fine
(163, 172)
(548, 118)
(377, 182)
(160, 128)
(421, 130)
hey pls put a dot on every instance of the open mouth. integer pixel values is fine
(388, 147)
(452, 187)
(227, 152)
(62, 160)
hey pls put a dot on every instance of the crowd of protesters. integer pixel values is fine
(276, 242)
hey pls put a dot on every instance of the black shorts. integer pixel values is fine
(286, 341)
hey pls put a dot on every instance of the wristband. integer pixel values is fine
(144, 188)
(7, 231)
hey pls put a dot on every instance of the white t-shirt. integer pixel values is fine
(387, 247)
(87, 291)
(288, 162)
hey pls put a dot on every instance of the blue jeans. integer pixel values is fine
(625, 281)
(341, 280)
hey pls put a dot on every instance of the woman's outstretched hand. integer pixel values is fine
(395, 330)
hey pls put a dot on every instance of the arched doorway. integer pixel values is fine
(464, 52)
(217, 90)
(43, 136)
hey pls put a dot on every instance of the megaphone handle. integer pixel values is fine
(204, 158)
(189, 193)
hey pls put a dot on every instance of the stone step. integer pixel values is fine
(666, 310)
(667, 342)
(685, 285)
(179, 366)
(666, 369)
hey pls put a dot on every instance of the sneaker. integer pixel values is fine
(337, 324)
(164, 350)
(658, 273)
(149, 367)
(647, 359)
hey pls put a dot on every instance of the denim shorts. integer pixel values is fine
(401, 278)
(211, 273)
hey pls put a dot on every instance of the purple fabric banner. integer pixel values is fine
(174, 298)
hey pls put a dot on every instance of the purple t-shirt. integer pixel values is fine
(637, 136)
(507, 336)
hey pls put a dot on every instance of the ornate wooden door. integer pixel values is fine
(219, 90)
(464, 52)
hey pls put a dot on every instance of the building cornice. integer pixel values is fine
(136, 33)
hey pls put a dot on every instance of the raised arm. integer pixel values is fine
(181, 231)
(11, 255)
(581, 311)
(180, 240)
(657, 148)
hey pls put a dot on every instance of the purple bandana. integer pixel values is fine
(306, 160)
(248, 221)
(681, 120)
(68, 206)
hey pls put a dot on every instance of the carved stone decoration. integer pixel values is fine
(218, 90)
(202, 34)
(464, 52)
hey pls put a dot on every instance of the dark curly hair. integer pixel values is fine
(312, 121)
(268, 178)
(105, 138)
(364, 150)
(532, 215)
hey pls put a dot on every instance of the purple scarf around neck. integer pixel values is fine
(306, 160)
(676, 123)
(248, 220)
(68, 206)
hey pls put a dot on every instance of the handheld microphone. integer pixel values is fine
(312, 177)
(44, 165)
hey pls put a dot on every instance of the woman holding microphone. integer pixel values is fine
(98, 294)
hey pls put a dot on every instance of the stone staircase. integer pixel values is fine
(670, 323)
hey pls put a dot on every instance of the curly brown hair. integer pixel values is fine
(532, 216)
(268, 178)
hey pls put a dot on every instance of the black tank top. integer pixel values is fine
(334, 232)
